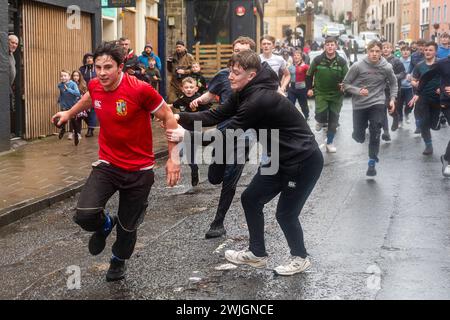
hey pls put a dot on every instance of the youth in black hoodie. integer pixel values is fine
(259, 106)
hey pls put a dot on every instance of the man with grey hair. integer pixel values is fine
(13, 44)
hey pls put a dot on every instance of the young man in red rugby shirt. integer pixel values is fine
(123, 105)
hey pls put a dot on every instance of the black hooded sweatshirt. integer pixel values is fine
(259, 106)
(87, 70)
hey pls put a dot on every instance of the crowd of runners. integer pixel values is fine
(259, 92)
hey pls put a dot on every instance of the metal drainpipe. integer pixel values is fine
(162, 46)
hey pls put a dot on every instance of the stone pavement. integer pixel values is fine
(42, 172)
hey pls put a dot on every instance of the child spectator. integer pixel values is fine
(153, 73)
(82, 87)
(68, 96)
(142, 75)
(190, 93)
(197, 75)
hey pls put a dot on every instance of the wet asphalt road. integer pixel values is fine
(386, 238)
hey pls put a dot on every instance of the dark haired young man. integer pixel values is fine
(427, 100)
(255, 104)
(442, 69)
(123, 105)
(366, 81)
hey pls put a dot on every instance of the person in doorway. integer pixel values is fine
(126, 159)
(13, 43)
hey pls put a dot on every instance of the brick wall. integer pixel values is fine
(176, 9)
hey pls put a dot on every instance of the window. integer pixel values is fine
(211, 21)
(433, 16)
(445, 13)
(439, 14)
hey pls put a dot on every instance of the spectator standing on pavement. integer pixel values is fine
(180, 65)
(297, 89)
(427, 101)
(227, 174)
(276, 62)
(442, 69)
(147, 54)
(198, 76)
(406, 90)
(255, 104)
(88, 72)
(154, 74)
(400, 74)
(366, 81)
(324, 79)
(131, 59)
(68, 96)
(123, 105)
(77, 122)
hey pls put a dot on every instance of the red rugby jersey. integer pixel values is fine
(125, 138)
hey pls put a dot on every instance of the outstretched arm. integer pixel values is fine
(173, 163)
(83, 104)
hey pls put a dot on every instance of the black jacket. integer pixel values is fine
(440, 68)
(259, 106)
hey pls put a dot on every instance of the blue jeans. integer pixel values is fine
(301, 96)
(405, 96)
(91, 120)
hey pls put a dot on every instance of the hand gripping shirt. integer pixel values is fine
(125, 138)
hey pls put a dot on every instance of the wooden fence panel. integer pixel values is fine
(49, 46)
(129, 27)
(212, 57)
(151, 34)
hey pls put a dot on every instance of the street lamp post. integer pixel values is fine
(309, 32)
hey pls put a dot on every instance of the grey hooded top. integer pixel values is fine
(373, 77)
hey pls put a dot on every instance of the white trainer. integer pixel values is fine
(331, 148)
(318, 126)
(296, 265)
(70, 136)
(245, 257)
(445, 167)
